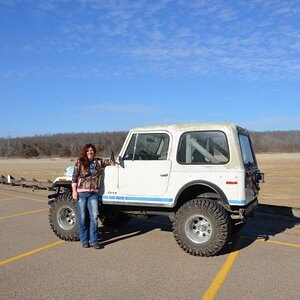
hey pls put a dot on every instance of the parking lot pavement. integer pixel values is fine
(141, 260)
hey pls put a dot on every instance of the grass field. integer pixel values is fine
(40, 169)
(282, 174)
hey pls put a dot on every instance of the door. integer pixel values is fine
(145, 168)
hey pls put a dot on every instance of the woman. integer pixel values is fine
(85, 185)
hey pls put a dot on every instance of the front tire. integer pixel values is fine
(63, 217)
(201, 227)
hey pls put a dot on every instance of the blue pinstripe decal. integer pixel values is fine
(240, 202)
(152, 199)
(132, 198)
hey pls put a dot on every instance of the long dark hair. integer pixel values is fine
(83, 159)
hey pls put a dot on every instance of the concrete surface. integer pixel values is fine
(141, 260)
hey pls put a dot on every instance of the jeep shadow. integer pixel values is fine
(135, 227)
(262, 226)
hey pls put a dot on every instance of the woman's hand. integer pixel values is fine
(75, 195)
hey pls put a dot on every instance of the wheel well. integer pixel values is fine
(199, 190)
(59, 189)
(62, 187)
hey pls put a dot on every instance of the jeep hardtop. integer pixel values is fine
(203, 176)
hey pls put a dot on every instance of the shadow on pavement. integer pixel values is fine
(262, 226)
(134, 227)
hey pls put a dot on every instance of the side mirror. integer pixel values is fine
(112, 156)
(120, 161)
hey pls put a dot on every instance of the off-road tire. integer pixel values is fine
(114, 220)
(63, 217)
(201, 227)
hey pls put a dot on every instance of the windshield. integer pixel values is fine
(248, 156)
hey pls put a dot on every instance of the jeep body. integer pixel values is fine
(204, 176)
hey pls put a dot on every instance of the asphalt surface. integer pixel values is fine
(141, 260)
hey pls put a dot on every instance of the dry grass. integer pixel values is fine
(40, 169)
(282, 174)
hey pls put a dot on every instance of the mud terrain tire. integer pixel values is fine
(201, 227)
(63, 217)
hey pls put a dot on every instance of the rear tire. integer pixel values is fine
(201, 227)
(63, 217)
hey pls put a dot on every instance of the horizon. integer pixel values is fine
(80, 66)
(125, 131)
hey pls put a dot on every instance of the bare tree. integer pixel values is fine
(70, 144)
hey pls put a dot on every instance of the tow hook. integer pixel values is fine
(242, 213)
(240, 216)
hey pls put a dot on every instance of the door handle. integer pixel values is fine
(164, 175)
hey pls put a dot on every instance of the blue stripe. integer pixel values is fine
(151, 199)
(131, 198)
(240, 202)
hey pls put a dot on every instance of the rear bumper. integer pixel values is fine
(241, 213)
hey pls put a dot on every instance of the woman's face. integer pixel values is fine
(90, 153)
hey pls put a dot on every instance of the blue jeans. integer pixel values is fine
(87, 206)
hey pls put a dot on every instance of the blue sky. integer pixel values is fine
(92, 65)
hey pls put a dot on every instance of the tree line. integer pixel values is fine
(276, 141)
(61, 145)
(70, 144)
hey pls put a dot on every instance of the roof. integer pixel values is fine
(187, 126)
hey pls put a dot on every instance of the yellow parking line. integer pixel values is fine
(23, 214)
(280, 243)
(22, 197)
(221, 276)
(30, 253)
(262, 239)
(11, 198)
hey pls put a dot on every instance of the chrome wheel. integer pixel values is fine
(198, 229)
(201, 227)
(66, 217)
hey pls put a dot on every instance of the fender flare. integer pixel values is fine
(211, 185)
(57, 184)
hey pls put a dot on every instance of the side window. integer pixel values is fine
(203, 147)
(248, 156)
(148, 146)
(130, 149)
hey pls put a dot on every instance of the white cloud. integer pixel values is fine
(248, 39)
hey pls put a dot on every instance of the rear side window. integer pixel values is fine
(203, 147)
(248, 156)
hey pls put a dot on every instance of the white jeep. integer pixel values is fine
(204, 176)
